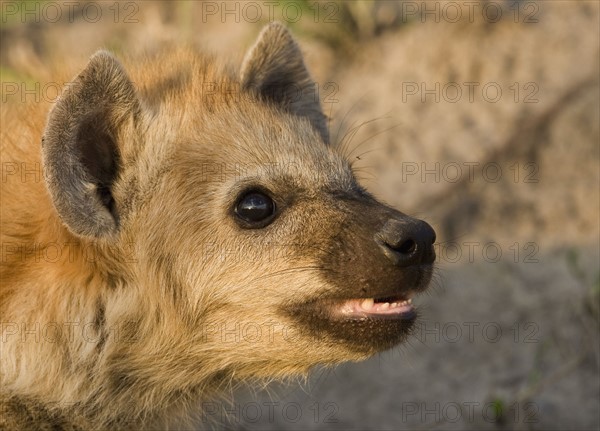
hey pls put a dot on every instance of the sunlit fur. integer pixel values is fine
(137, 319)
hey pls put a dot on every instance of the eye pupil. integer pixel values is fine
(255, 207)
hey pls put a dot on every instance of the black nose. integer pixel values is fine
(407, 241)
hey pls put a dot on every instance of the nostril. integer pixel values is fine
(406, 241)
(407, 247)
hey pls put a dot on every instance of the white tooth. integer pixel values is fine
(384, 306)
(367, 304)
(394, 304)
(409, 301)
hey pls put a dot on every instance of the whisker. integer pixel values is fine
(286, 271)
(373, 136)
(354, 105)
(351, 133)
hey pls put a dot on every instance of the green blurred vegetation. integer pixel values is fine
(343, 24)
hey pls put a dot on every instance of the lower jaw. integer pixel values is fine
(372, 334)
(361, 331)
(405, 316)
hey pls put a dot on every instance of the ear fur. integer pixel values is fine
(81, 145)
(274, 69)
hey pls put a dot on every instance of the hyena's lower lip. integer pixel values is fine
(396, 308)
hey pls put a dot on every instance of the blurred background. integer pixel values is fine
(481, 117)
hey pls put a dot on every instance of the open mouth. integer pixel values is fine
(366, 314)
(391, 307)
(367, 324)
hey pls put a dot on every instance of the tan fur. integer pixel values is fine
(140, 316)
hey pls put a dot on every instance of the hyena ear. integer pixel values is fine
(274, 69)
(83, 142)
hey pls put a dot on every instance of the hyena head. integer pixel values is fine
(232, 237)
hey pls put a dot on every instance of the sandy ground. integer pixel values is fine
(509, 334)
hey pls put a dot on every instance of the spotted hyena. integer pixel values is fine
(193, 227)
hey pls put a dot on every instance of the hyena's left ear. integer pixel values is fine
(87, 132)
(274, 69)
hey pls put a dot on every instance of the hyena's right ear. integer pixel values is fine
(82, 145)
(274, 69)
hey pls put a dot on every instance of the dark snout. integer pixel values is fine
(406, 241)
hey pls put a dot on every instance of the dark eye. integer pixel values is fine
(255, 208)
